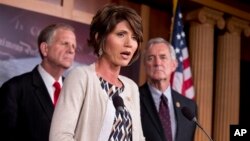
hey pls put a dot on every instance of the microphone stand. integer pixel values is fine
(197, 123)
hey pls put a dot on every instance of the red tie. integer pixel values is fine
(165, 117)
(57, 91)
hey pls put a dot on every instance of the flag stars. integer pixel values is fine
(181, 42)
(180, 15)
(180, 58)
(179, 23)
(177, 50)
(183, 34)
(178, 36)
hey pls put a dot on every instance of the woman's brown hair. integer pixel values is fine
(105, 21)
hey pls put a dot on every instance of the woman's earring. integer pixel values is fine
(100, 52)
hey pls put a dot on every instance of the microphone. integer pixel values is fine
(118, 103)
(190, 116)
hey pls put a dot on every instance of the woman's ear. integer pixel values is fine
(96, 36)
(44, 49)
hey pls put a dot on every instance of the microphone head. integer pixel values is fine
(187, 113)
(118, 102)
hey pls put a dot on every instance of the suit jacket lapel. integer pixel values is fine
(178, 114)
(148, 102)
(42, 93)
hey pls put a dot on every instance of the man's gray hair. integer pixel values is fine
(158, 40)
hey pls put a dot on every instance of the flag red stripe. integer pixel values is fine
(188, 83)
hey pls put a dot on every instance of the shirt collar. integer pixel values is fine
(47, 78)
(156, 94)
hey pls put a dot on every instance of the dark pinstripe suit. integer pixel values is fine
(151, 125)
(25, 108)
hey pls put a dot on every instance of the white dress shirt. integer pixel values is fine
(49, 81)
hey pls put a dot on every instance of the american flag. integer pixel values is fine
(182, 77)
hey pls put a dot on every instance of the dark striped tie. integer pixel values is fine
(165, 117)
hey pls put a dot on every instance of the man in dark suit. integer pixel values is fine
(27, 101)
(160, 62)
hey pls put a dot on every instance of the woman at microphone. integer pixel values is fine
(85, 109)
